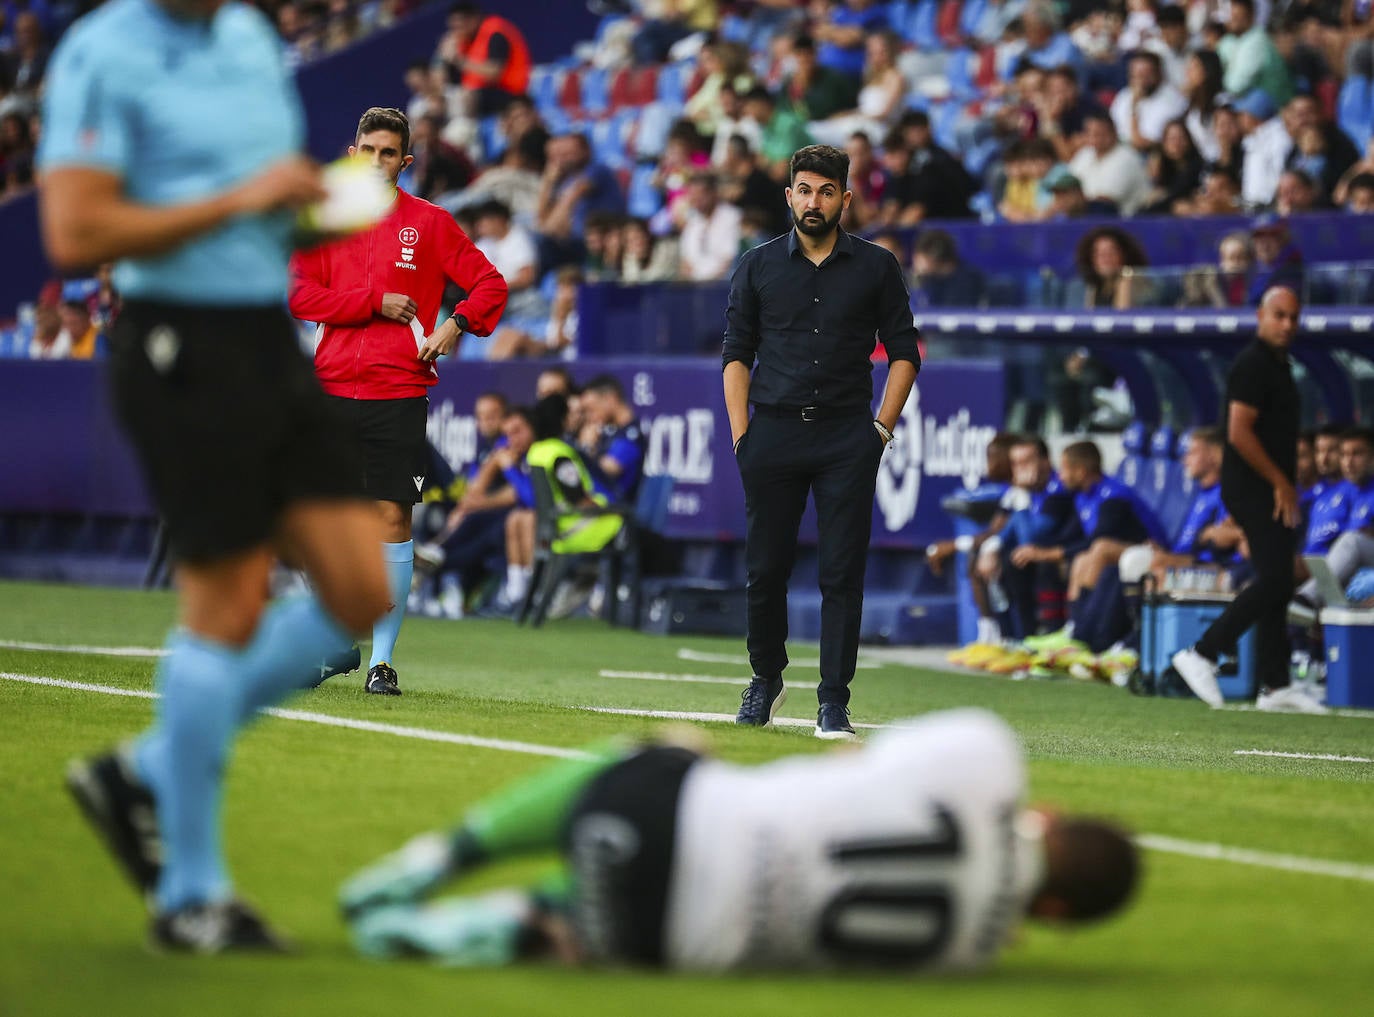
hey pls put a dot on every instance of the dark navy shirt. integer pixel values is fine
(813, 328)
(1262, 378)
(1111, 509)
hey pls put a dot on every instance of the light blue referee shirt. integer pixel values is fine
(180, 110)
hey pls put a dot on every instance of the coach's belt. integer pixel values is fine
(811, 413)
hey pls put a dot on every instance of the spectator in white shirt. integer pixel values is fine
(711, 235)
(1109, 170)
(511, 249)
(1147, 103)
(1266, 144)
(1172, 45)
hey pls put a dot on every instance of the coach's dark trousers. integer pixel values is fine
(781, 458)
(1264, 602)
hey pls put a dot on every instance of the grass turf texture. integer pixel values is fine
(308, 804)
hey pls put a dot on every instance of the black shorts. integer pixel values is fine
(395, 451)
(619, 844)
(228, 421)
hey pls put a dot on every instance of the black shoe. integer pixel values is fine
(344, 663)
(122, 810)
(215, 928)
(832, 721)
(382, 681)
(760, 702)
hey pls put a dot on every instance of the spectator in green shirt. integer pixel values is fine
(783, 130)
(1249, 58)
(814, 91)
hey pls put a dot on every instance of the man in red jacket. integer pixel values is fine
(375, 297)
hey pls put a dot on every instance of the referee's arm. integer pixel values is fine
(740, 346)
(898, 333)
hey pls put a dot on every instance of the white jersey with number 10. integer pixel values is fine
(909, 853)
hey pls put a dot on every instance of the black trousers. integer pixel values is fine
(1264, 602)
(836, 461)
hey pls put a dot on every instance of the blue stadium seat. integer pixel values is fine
(493, 142)
(960, 68)
(608, 148)
(1134, 440)
(672, 83)
(655, 122)
(596, 91)
(643, 199)
(919, 27)
(1178, 497)
(943, 117)
(544, 83)
(1355, 109)
(1161, 479)
(971, 15)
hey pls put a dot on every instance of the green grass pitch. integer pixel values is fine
(307, 804)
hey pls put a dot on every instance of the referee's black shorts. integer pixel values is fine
(395, 451)
(228, 421)
(619, 845)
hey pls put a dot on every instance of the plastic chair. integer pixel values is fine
(1134, 440)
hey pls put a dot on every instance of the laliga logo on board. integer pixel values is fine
(955, 448)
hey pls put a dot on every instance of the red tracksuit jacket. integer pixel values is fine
(414, 250)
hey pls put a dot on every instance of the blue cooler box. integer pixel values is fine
(1170, 625)
(1349, 636)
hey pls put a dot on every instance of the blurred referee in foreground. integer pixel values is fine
(171, 144)
(1258, 473)
(808, 307)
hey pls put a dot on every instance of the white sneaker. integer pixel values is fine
(989, 632)
(1200, 675)
(1290, 699)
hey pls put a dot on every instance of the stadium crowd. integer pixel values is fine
(658, 152)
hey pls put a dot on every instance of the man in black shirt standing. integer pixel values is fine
(808, 306)
(1258, 471)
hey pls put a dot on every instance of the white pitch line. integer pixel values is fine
(700, 679)
(702, 657)
(99, 651)
(1149, 841)
(1303, 755)
(419, 733)
(722, 718)
(1262, 859)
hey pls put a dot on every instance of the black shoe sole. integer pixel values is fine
(382, 690)
(91, 798)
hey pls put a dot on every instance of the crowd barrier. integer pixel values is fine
(64, 453)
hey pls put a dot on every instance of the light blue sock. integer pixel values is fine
(400, 566)
(292, 637)
(182, 757)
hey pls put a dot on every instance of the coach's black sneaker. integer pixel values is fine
(760, 702)
(832, 721)
(382, 681)
(121, 809)
(343, 663)
(215, 928)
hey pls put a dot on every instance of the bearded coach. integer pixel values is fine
(805, 314)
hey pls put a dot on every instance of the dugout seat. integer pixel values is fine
(622, 556)
(1134, 441)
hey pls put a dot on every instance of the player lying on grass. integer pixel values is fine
(914, 851)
